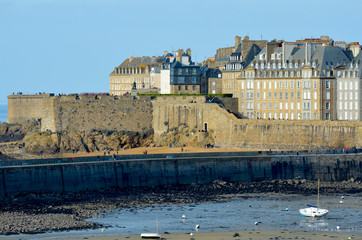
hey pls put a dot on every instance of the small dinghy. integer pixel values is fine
(152, 235)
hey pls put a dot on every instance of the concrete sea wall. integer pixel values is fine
(175, 169)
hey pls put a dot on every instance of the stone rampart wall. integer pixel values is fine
(82, 113)
(229, 131)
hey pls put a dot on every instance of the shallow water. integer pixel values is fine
(238, 214)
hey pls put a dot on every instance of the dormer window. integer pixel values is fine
(296, 65)
(279, 56)
(273, 65)
(290, 65)
(273, 56)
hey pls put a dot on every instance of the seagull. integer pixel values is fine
(191, 234)
(256, 223)
(102, 229)
(341, 202)
(338, 227)
(197, 227)
(183, 216)
(342, 197)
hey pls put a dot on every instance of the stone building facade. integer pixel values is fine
(349, 90)
(289, 80)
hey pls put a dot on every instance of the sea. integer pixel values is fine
(269, 212)
(3, 112)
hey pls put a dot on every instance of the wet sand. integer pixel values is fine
(238, 235)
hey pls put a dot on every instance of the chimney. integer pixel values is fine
(165, 53)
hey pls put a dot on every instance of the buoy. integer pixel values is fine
(338, 227)
(102, 229)
(341, 202)
(286, 209)
(256, 223)
(191, 234)
(183, 216)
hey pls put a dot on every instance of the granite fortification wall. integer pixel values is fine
(229, 131)
(82, 113)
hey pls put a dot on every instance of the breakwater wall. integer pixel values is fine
(169, 169)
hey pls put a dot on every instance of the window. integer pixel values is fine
(280, 95)
(286, 95)
(186, 87)
(242, 95)
(286, 85)
(194, 88)
(258, 95)
(327, 116)
(292, 95)
(315, 116)
(242, 106)
(298, 85)
(291, 106)
(194, 79)
(275, 95)
(264, 95)
(286, 106)
(315, 95)
(275, 105)
(280, 106)
(280, 85)
(269, 95)
(328, 84)
(315, 84)
(328, 105)
(328, 95)
(179, 87)
(315, 106)
(258, 105)
(298, 95)
(269, 106)
(298, 106)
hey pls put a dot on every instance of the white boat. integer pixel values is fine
(152, 235)
(313, 211)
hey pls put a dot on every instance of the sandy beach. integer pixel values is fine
(236, 235)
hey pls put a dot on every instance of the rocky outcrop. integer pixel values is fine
(11, 132)
(50, 143)
(186, 136)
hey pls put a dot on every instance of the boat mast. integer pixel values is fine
(318, 195)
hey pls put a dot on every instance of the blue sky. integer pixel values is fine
(68, 46)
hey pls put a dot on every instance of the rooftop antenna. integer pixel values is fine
(261, 36)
